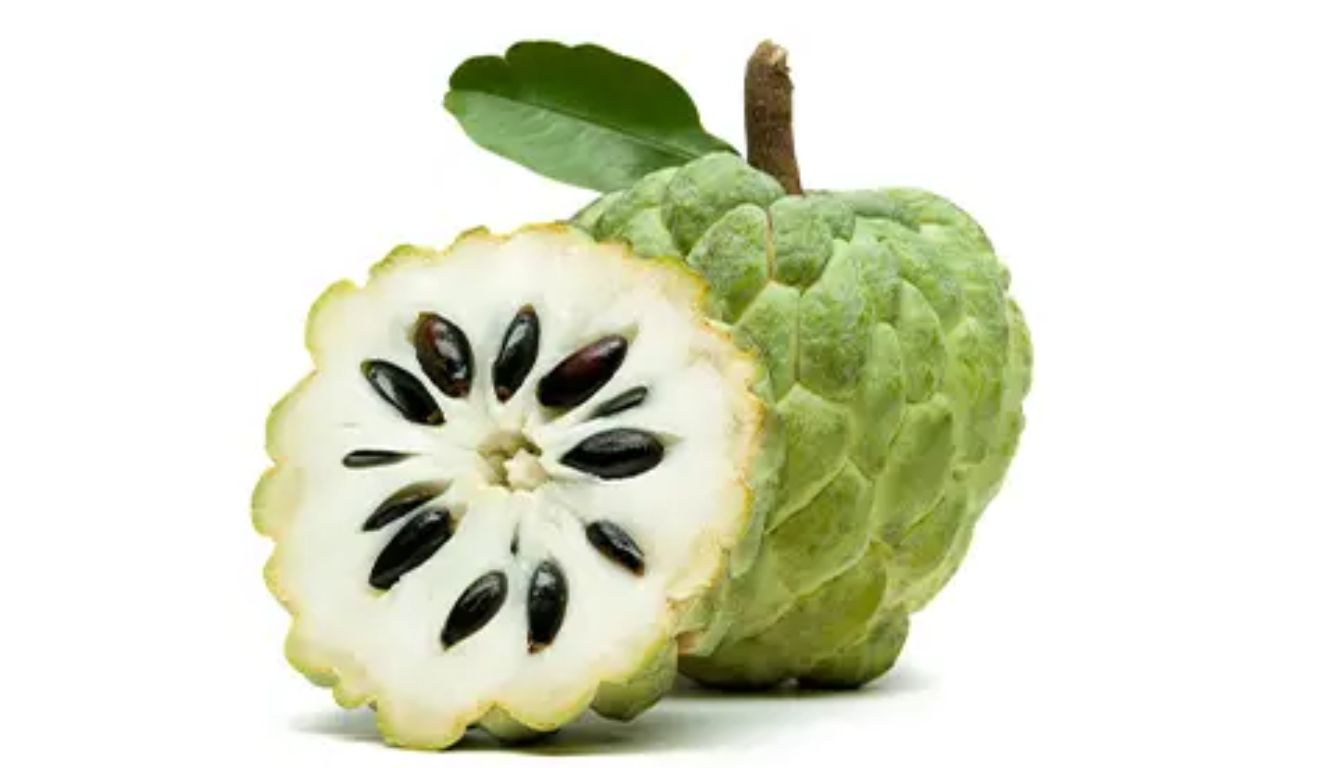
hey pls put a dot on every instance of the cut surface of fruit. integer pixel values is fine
(519, 463)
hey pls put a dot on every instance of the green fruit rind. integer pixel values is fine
(732, 258)
(701, 192)
(827, 619)
(500, 725)
(835, 319)
(896, 365)
(816, 434)
(626, 700)
(868, 658)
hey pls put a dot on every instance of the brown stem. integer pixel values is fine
(769, 96)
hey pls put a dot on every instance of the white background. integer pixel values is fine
(1159, 582)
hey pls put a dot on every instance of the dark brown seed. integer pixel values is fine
(372, 457)
(402, 391)
(517, 353)
(622, 402)
(615, 454)
(475, 608)
(612, 541)
(578, 377)
(547, 598)
(444, 354)
(402, 503)
(416, 542)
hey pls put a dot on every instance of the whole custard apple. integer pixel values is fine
(896, 365)
(713, 424)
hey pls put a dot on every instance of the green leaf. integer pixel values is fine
(581, 115)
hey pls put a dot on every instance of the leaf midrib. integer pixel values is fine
(669, 149)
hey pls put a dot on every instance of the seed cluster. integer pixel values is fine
(445, 356)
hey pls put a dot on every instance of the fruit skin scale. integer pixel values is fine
(648, 673)
(896, 369)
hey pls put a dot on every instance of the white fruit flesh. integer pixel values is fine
(515, 505)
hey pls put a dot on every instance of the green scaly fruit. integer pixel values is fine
(897, 366)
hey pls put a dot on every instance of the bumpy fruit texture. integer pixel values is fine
(897, 366)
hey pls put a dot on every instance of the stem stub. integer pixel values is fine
(769, 114)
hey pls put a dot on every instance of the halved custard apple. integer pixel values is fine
(511, 484)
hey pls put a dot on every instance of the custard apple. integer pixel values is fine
(896, 367)
(712, 424)
(517, 469)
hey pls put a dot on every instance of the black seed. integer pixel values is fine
(576, 378)
(475, 608)
(622, 402)
(402, 391)
(547, 597)
(416, 542)
(372, 457)
(615, 454)
(444, 354)
(402, 503)
(517, 353)
(612, 541)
